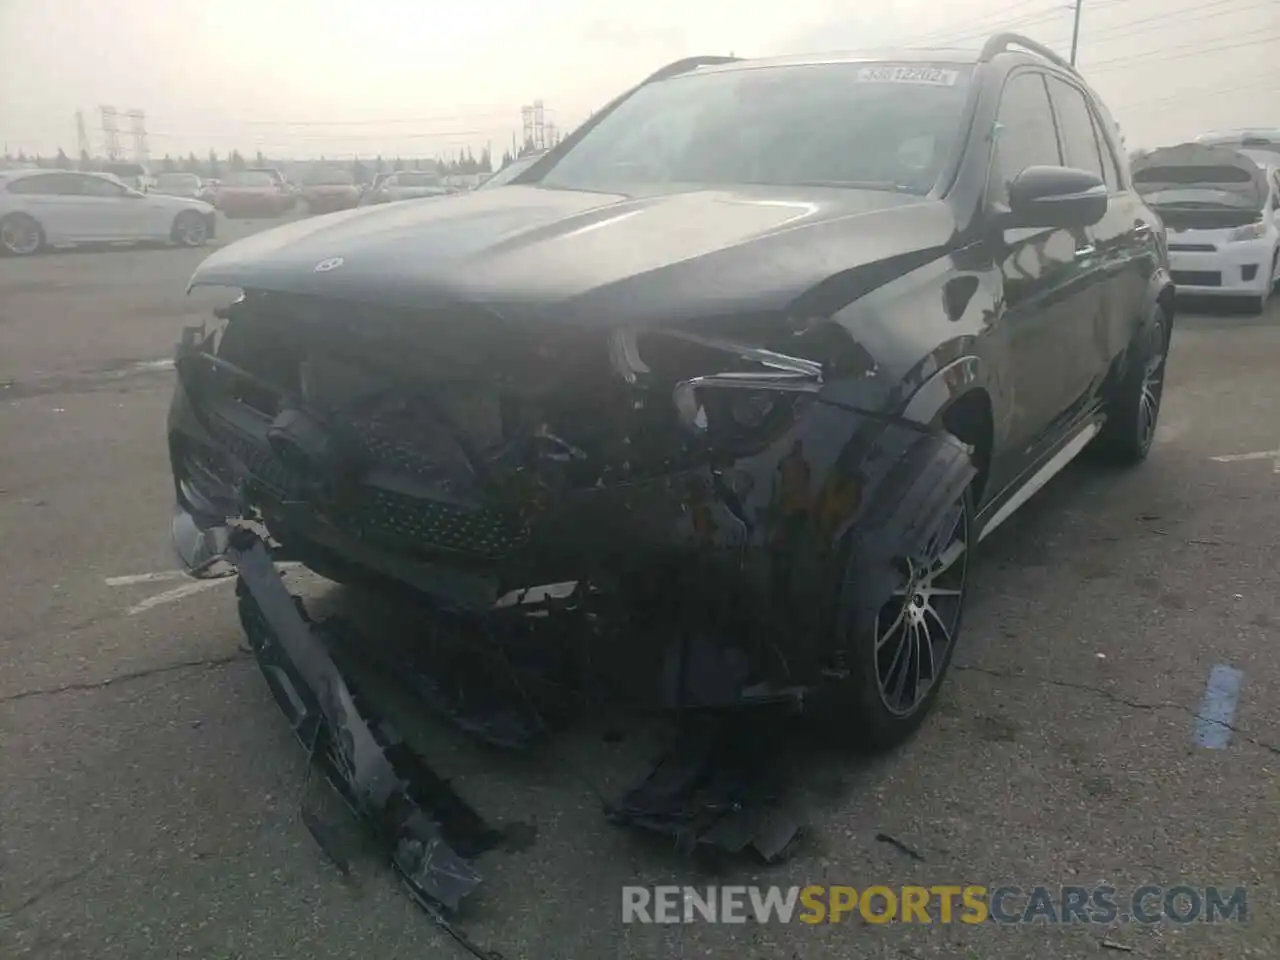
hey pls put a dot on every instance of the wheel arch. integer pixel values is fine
(956, 399)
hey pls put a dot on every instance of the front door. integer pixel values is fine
(1051, 288)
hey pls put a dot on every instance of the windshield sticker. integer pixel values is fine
(931, 76)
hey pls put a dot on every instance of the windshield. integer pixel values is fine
(509, 172)
(329, 178)
(885, 126)
(247, 178)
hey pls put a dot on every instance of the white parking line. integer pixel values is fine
(1272, 455)
(177, 593)
(161, 577)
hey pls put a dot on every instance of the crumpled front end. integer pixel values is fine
(469, 458)
(724, 493)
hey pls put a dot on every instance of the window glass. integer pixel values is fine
(102, 187)
(877, 126)
(48, 184)
(1025, 135)
(1076, 128)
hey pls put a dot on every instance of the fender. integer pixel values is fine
(900, 516)
(942, 389)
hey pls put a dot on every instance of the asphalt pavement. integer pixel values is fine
(150, 788)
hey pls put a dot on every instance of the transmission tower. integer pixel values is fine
(82, 135)
(539, 126)
(526, 121)
(110, 132)
(138, 127)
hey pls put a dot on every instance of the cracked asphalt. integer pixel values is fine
(150, 787)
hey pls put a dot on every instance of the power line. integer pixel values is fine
(1192, 94)
(1188, 50)
(1121, 31)
(982, 26)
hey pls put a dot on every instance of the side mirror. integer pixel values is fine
(1055, 197)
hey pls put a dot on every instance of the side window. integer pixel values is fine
(1076, 128)
(1110, 166)
(100, 187)
(1025, 135)
(48, 185)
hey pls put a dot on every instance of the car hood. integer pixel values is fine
(590, 257)
(168, 201)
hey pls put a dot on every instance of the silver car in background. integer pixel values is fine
(179, 185)
(40, 208)
(408, 185)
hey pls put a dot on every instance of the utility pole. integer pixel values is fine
(1075, 33)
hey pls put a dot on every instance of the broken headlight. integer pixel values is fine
(727, 393)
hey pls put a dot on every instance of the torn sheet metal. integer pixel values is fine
(713, 788)
(432, 833)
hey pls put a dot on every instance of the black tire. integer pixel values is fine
(1133, 412)
(20, 235)
(859, 710)
(190, 229)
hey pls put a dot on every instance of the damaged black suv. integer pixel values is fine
(764, 347)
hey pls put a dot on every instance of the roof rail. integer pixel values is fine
(1003, 41)
(687, 64)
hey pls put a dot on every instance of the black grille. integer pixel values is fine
(1197, 278)
(374, 513)
(1193, 247)
(483, 533)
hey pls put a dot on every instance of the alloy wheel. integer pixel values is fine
(194, 231)
(20, 236)
(1152, 387)
(915, 630)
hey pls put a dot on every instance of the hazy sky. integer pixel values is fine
(417, 77)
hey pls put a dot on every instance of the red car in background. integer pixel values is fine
(326, 189)
(252, 193)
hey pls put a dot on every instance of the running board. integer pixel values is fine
(1052, 468)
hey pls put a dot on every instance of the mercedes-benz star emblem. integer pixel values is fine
(332, 263)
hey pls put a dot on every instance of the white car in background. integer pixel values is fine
(1221, 208)
(41, 208)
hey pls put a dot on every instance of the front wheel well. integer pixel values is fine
(969, 420)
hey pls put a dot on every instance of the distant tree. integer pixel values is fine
(41, 162)
(379, 165)
(167, 164)
(506, 158)
(86, 161)
(260, 160)
(486, 161)
(62, 161)
(214, 168)
(22, 157)
(235, 161)
(397, 164)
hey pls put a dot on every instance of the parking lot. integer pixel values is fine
(151, 786)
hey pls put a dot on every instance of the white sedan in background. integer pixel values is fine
(41, 208)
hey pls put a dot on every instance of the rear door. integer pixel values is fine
(1111, 258)
(1049, 281)
(54, 200)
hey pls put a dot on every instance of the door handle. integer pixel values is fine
(1083, 252)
